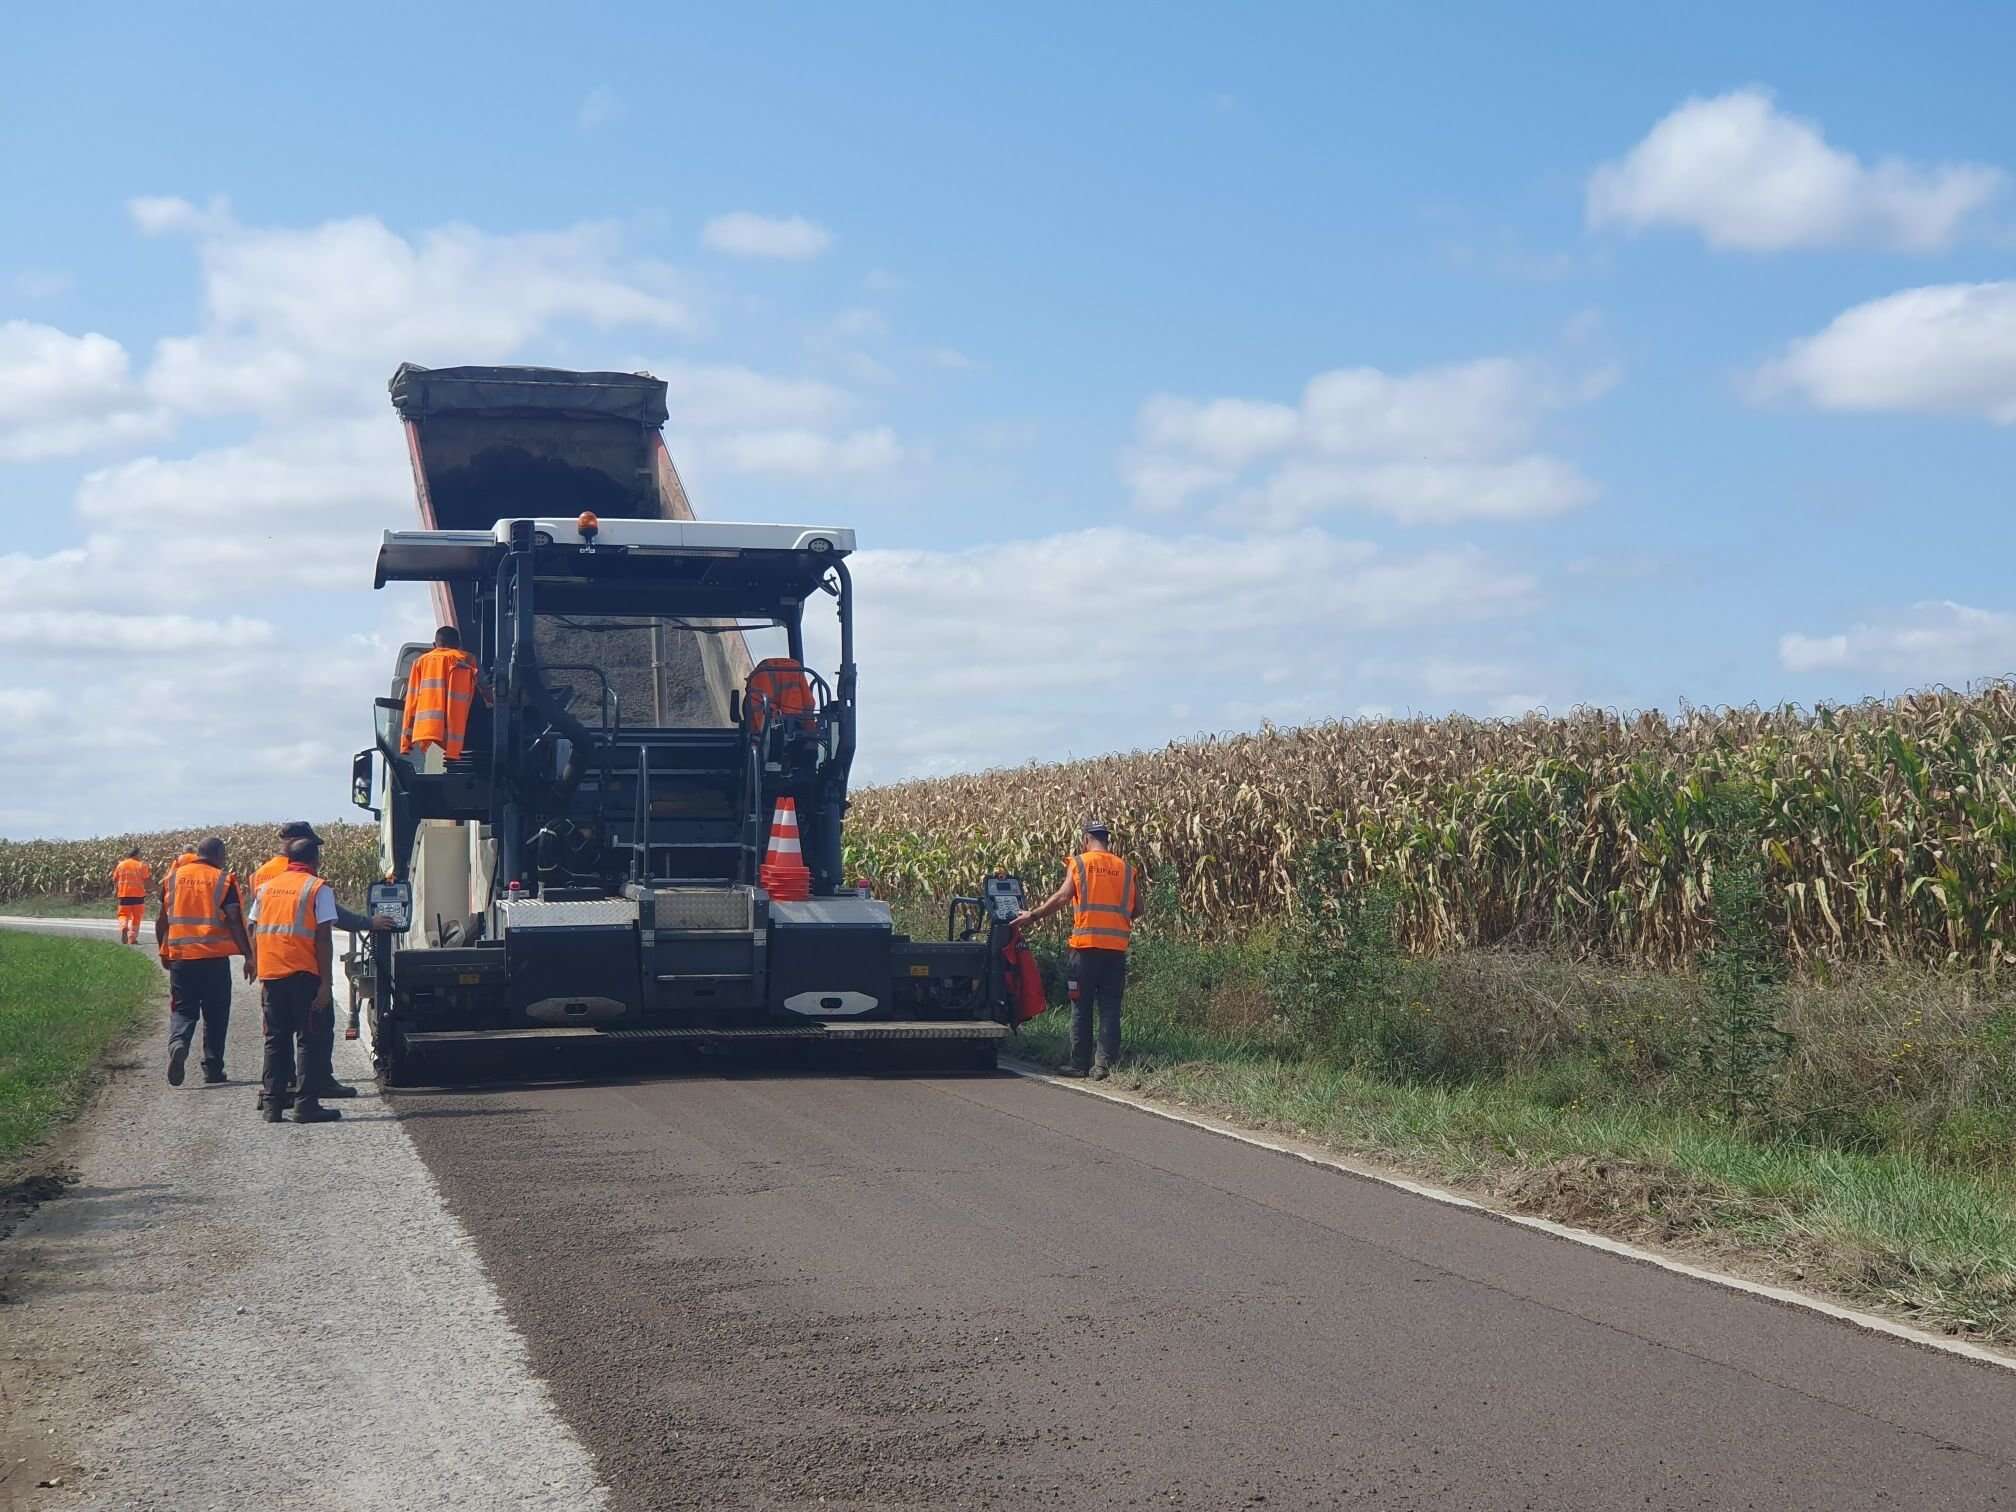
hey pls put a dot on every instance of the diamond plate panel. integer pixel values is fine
(703, 908)
(536, 913)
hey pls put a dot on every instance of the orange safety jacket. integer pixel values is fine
(268, 870)
(439, 691)
(130, 879)
(778, 685)
(192, 901)
(283, 934)
(1106, 892)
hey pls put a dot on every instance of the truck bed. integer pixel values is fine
(490, 442)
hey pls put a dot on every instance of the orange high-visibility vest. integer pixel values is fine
(284, 933)
(439, 690)
(192, 900)
(268, 870)
(129, 880)
(1106, 891)
(777, 686)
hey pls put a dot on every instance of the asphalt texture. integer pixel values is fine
(785, 1288)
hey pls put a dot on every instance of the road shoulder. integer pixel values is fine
(223, 1312)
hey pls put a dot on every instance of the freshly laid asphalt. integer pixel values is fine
(750, 1287)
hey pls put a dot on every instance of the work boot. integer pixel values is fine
(212, 1075)
(178, 1057)
(1101, 1067)
(270, 1112)
(1070, 1070)
(286, 1101)
(314, 1112)
(335, 1089)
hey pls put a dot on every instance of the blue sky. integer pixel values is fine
(1354, 360)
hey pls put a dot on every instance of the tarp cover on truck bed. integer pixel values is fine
(493, 443)
(418, 393)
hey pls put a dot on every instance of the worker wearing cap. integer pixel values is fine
(293, 929)
(1105, 895)
(441, 687)
(197, 931)
(317, 1055)
(129, 887)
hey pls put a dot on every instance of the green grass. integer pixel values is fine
(59, 907)
(62, 1003)
(1931, 1242)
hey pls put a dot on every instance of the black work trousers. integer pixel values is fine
(200, 990)
(318, 1052)
(1098, 979)
(288, 1012)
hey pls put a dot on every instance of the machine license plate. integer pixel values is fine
(924, 971)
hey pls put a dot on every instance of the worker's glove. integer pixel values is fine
(384, 924)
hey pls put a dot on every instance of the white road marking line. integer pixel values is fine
(1868, 1322)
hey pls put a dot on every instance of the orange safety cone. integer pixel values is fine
(784, 873)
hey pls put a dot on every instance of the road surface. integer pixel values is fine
(769, 1289)
(740, 1287)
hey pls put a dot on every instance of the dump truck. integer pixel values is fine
(598, 860)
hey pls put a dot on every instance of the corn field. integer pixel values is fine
(1884, 829)
(81, 870)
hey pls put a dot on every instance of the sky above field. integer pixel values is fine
(1180, 369)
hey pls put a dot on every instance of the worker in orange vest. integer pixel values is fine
(1105, 895)
(777, 685)
(318, 1055)
(199, 928)
(293, 928)
(129, 886)
(441, 687)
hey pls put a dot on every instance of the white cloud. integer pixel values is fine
(166, 214)
(951, 359)
(1238, 627)
(1422, 493)
(1944, 349)
(97, 633)
(1938, 642)
(26, 705)
(1164, 485)
(712, 398)
(1749, 177)
(1435, 446)
(302, 320)
(800, 453)
(61, 395)
(598, 108)
(743, 233)
(1232, 432)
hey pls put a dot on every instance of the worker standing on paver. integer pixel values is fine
(199, 928)
(1106, 897)
(317, 1056)
(129, 885)
(294, 928)
(441, 687)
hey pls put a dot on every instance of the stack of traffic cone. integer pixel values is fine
(784, 874)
